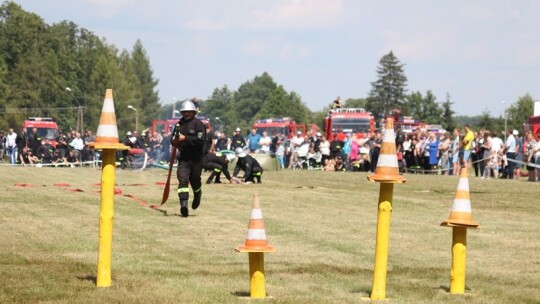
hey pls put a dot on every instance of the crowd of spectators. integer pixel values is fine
(484, 152)
(30, 149)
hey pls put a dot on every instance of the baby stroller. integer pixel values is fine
(305, 159)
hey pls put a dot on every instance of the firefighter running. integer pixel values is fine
(189, 137)
(250, 166)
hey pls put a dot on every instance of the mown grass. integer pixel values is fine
(322, 224)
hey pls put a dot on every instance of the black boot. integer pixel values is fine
(209, 180)
(184, 208)
(196, 199)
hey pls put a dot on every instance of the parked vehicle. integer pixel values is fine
(46, 128)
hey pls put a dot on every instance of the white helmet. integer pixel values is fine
(188, 106)
(128, 133)
(240, 152)
(230, 157)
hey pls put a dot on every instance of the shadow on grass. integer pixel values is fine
(241, 294)
(90, 278)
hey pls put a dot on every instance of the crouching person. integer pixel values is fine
(250, 166)
(218, 163)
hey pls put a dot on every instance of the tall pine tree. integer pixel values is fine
(389, 90)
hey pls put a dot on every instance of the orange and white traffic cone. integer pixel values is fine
(107, 132)
(256, 245)
(387, 170)
(461, 213)
(256, 237)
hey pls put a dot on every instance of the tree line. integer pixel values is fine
(39, 61)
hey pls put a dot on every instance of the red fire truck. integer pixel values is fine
(46, 128)
(283, 125)
(349, 120)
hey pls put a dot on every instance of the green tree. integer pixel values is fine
(250, 98)
(355, 103)
(519, 112)
(448, 122)
(486, 121)
(389, 90)
(423, 108)
(148, 96)
(221, 105)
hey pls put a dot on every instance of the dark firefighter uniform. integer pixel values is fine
(217, 163)
(190, 161)
(250, 166)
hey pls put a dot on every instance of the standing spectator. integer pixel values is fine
(253, 140)
(296, 142)
(510, 149)
(34, 141)
(354, 153)
(265, 143)
(238, 140)
(280, 155)
(433, 146)
(531, 143)
(2, 146)
(155, 146)
(467, 146)
(88, 153)
(475, 153)
(536, 151)
(325, 150)
(444, 146)
(274, 144)
(376, 150)
(519, 154)
(61, 145)
(454, 150)
(78, 145)
(221, 143)
(22, 141)
(166, 147)
(486, 154)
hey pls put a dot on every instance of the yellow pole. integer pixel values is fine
(459, 258)
(256, 274)
(378, 291)
(106, 219)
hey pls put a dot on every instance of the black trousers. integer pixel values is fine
(189, 172)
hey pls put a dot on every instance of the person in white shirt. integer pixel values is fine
(265, 143)
(510, 147)
(295, 143)
(78, 145)
(11, 146)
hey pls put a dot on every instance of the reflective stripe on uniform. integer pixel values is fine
(257, 174)
(217, 170)
(198, 190)
(180, 190)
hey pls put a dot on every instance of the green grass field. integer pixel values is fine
(323, 225)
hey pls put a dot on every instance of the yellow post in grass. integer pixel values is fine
(256, 245)
(106, 140)
(106, 219)
(257, 277)
(387, 174)
(382, 242)
(459, 259)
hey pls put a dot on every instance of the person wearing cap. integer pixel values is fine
(250, 166)
(238, 140)
(189, 137)
(510, 150)
(218, 163)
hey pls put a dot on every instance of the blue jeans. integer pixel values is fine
(12, 154)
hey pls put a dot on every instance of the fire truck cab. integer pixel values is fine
(283, 125)
(46, 128)
(349, 120)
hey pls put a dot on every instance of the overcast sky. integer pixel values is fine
(485, 54)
